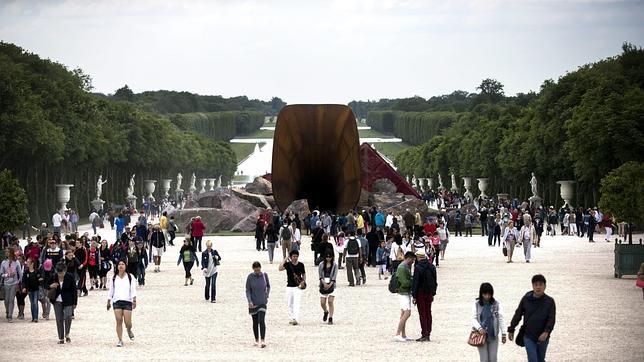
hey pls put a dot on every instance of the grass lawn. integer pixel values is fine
(243, 149)
(391, 149)
(372, 133)
(260, 133)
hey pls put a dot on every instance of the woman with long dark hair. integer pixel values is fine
(189, 257)
(488, 319)
(11, 272)
(328, 271)
(271, 239)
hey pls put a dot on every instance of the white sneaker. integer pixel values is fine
(409, 339)
(400, 339)
(119, 344)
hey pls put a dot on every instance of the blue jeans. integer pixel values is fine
(211, 287)
(536, 350)
(33, 302)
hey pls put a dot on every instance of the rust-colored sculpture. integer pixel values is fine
(316, 157)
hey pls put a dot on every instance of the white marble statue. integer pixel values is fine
(440, 182)
(130, 188)
(454, 182)
(193, 181)
(414, 181)
(219, 181)
(179, 179)
(533, 184)
(99, 186)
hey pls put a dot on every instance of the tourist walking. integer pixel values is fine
(381, 260)
(510, 238)
(143, 262)
(260, 235)
(11, 273)
(327, 271)
(157, 240)
(527, 235)
(122, 299)
(258, 289)
(296, 243)
(104, 264)
(189, 257)
(271, 240)
(538, 311)
(286, 237)
(352, 255)
(443, 235)
(31, 282)
(488, 319)
(64, 299)
(295, 283)
(423, 290)
(197, 229)
(403, 276)
(469, 223)
(210, 266)
(48, 273)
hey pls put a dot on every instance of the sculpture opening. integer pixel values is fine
(316, 157)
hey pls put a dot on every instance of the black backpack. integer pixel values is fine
(393, 284)
(286, 233)
(353, 247)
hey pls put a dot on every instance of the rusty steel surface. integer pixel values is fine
(316, 157)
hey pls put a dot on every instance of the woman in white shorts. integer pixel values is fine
(328, 270)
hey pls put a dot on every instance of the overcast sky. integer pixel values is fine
(321, 51)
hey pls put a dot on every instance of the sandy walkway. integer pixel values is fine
(599, 317)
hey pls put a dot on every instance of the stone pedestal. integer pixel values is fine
(467, 183)
(430, 183)
(132, 200)
(566, 191)
(535, 201)
(483, 186)
(97, 204)
(202, 183)
(63, 194)
(165, 186)
(150, 186)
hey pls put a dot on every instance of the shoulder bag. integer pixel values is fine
(476, 339)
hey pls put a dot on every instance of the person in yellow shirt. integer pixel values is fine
(163, 223)
(360, 222)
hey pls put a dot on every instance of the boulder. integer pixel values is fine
(257, 200)
(365, 199)
(215, 220)
(384, 185)
(260, 186)
(410, 203)
(386, 200)
(300, 207)
(246, 224)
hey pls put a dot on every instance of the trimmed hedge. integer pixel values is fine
(413, 127)
(219, 126)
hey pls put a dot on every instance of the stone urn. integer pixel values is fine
(211, 184)
(165, 186)
(63, 194)
(467, 183)
(202, 183)
(150, 186)
(566, 190)
(483, 186)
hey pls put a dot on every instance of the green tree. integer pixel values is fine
(622, 194)
(124, 94)
(13, 202)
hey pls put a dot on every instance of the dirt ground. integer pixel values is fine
(599, 317)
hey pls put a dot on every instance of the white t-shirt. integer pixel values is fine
(56, 220)
(122, 289)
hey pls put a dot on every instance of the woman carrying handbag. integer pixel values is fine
(487, 322)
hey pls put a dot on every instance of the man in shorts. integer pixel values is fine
(157, 242)
(403, 274)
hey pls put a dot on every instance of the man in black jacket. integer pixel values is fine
(538, 311)
(423, 290)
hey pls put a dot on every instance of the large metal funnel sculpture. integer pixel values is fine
(316, 157)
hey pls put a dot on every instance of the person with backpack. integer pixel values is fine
(286, 236)
(401, 283)
(157, 241)
(352, 255)
(258, 288)
(172, 231)
(423, 290)
(122, 299)
(488, 319)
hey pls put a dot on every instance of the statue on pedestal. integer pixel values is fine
(533, 184)
(219, 182)
(454, 182)
(440, 182)
(179, 179)
(130, 188)
(193, 180)
(99, 186)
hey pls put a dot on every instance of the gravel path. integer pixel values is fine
(599, 317)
